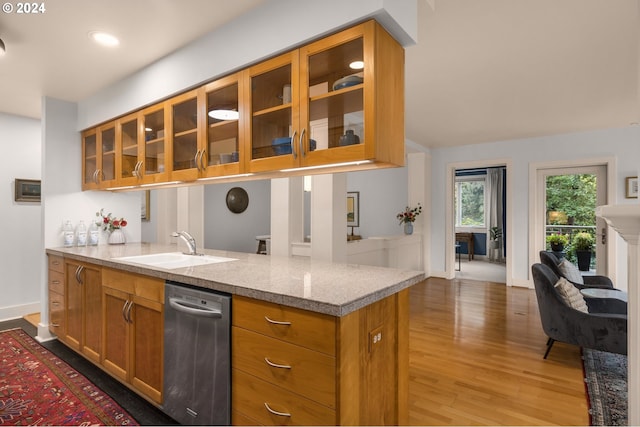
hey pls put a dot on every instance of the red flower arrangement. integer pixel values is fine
(109, 222)
(409, 215)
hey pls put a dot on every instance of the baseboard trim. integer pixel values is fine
(18, 311)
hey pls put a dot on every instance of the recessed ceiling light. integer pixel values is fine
(104, 39)
(224, 114)
(357, 65)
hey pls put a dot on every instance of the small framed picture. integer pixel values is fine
(631, 187)
(27, 190)
(353, 209)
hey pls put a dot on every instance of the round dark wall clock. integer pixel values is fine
(237, 200)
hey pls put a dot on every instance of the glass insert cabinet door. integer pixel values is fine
(274, 134)
(129, 162)
(153, 155)
(90, 159)
(222, 151)
(107, 159)
(187, 155)
(333, 80)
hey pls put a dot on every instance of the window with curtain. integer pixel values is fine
(470, 201)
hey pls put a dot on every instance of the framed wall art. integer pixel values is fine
(353, 209)
(27, 190)
(631, 187)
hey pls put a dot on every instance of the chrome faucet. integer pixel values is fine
(189, 240)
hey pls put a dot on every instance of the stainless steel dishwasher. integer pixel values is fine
(197, 355)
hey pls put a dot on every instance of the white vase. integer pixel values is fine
(116, 237)
(408, 228)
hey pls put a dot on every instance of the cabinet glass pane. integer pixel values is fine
(129, 148)
(271, 113)
(185, 134)
(336, 96)
(154, 156)
(108, 154)
(90, 159)
(222, 125)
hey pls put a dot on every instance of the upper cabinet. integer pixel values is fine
(99, 157)
(336, 104)
(338, 100)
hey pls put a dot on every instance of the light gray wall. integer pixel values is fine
(229, 231)
(622, 144)
(273, 27)
(383, 193)
(21, 222)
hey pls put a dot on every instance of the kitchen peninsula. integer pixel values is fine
(345, 340)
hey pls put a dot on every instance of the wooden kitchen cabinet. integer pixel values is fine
(292, 366)
(329, 121)
(295, 111)
(99, 157)
(133, 332)
(56, 285)
(83, 304)
(142, 147)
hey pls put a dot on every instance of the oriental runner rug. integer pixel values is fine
(606, 382)
(36, 387)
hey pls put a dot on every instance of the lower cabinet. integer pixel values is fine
(83, 308)
(133, 307)
(296, 367)
(57, 304)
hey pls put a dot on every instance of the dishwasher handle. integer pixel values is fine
(178, 305)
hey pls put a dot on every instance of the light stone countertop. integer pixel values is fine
(323, 287)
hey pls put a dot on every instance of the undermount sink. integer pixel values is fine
(172, 260)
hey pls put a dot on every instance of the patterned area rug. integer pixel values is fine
(36, 387)
(606, 381)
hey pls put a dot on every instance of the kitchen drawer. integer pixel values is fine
(150, 288)
(56, 313)
(56, 281)
(315, 331)
(56, 263)
(250, 397)
(303, 371)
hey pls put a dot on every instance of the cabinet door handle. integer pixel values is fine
(202, 155)
(276, 322)
(276, 365)
(302, 150)
(95, 176)
(196, 160)
(280, 414)
(129, 312)
(293, 145)
(125, 310)
(78, 275)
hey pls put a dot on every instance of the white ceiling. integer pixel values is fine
(483, 70)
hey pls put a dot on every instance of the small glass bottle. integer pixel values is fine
(94, 234)
(81, 234)
(67, 234)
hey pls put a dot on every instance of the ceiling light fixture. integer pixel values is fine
(224, 114)
(357, 65)
(104, 39)
(3, 50)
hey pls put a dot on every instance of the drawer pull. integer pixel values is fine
(280, 414)
(276, 365)
(275, 322)
(55, 282)
(55, 263)
(55, 325)
(55, 303)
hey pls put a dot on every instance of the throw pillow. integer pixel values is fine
(571, 272)
(571, 295)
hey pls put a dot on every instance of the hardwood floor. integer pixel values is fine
(476, 359)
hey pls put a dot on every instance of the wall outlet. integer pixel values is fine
(375, 337)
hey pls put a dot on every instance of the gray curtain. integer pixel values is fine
(495, 185)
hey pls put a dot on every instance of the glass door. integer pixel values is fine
(129, 151)
(153, 157)
(89, 160)
(274, 133)
(332, 92)
(107, 155)
(187, 156)
(223, 136)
